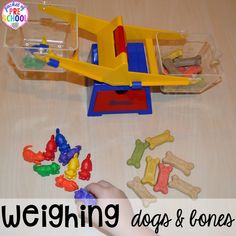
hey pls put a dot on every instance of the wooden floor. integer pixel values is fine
(204, 125)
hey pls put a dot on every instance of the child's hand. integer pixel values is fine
(103, 189)
(107, 194)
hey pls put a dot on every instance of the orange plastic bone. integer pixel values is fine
(32, 156)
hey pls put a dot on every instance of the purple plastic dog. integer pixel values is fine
(64, 158)
(84, 196)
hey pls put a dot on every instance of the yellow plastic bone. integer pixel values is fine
(150, 171)
(177, 53)
(159, 139)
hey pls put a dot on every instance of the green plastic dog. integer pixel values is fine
(46, 170)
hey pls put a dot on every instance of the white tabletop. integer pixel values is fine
(203, 125)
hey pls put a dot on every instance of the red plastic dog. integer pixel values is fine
(31, 156)
(51, 148)
(68, 185)
(86, 168)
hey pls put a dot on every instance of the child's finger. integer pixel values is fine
(105, 184)
(95, 189)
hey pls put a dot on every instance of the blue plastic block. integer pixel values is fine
(53, 63)
(136, 57)
(136, 85)
(95, 54)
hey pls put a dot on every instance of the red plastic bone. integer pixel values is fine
(86, 168)
(193, 70)
(190, 70)
(68, 185)
(163, 178)
(51, 148)
(32, 156)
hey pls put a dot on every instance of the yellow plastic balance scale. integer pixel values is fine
(117, 88)
(113, 66)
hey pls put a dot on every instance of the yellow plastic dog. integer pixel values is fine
(72, 167)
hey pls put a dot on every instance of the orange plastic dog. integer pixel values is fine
(68, 185)
(31, 156)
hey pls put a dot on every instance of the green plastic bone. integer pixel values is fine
(137, 153)
(46, 170)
